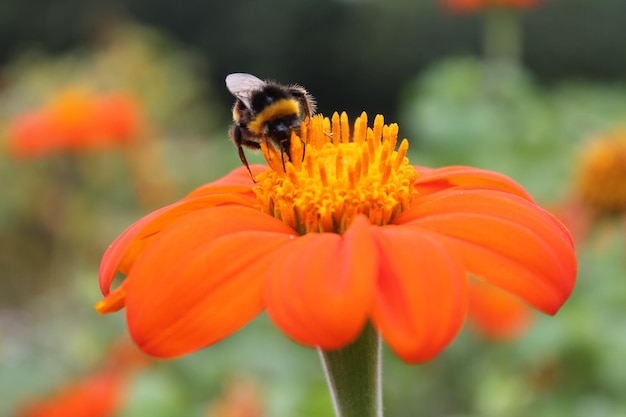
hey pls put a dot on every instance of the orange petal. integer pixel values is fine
(576, 216)
(320, 289)
(462, 177)
(506, 240)
(421, 300)
(119, 117)
(201, 279)
(115, 252)
(237, 181)
(497, 314)
(31, 134)
(72, 115)
(122, 253)
(99, 395)
(490, 202)
(114, 301)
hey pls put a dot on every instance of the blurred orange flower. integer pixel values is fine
(98, 395)
(240, 398)
(348, 232)
(601, 173)
(465, 6)
(599, 187)
(76, 120)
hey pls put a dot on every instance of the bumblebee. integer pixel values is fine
(265, 110)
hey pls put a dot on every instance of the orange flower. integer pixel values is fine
(599, 187)
(98, 395)
(76, 120)
(601, 182)
(28, 134)
(348, 232)
(239, 398)
(465, 6)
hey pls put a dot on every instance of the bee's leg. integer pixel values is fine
(285, 149)
(240, 142)
(307, 102)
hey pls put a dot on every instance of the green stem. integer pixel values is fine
(354, 376)
(502, 36)
(502, 47)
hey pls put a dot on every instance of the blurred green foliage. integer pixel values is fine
(58, 213)
(76, 193)
(333, 47)
(454, 113)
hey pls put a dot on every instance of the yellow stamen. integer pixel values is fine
(297, 153)
(339, 163)
(379, 123)
(334, 177)
(345, 128)
(336, 129)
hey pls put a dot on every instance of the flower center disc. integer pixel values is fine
(602, 173)
(334, 176)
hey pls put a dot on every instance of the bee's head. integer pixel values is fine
(281, 128)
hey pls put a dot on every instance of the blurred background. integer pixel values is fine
(111, 109)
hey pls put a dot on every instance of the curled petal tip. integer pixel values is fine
(115, 301)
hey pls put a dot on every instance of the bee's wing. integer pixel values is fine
(242, 85)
